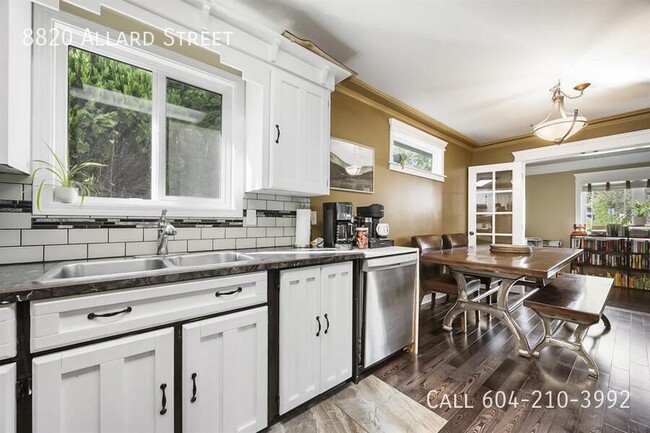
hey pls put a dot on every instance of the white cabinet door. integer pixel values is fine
(336, 341)
(301, 325)
(15, 86)
(8, 398)
(299, 155)
(496, 204)
(124, 385)
(225, 373)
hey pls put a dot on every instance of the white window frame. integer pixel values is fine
(420, 140)
(50, 104)
(583, 179)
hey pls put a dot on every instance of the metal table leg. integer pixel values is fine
(500, 310)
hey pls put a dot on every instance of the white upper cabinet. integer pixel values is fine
(293, 158)
(15, 86)
(123, 385)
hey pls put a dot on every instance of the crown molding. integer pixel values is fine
(364, 92)
(624, 122)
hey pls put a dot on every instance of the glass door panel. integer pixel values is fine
(484, 201)
(483, 240)
(503, 224)
(503, 202)
(484, 224)
(503, 180)
(503, 239)
(484, 181)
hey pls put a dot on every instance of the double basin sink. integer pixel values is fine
(115, 268)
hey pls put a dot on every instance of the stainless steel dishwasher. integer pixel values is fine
(387, 300)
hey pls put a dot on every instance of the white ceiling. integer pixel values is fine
(482, 67)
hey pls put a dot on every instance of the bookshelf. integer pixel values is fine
(625, 259)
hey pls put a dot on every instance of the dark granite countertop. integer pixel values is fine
(19, 283)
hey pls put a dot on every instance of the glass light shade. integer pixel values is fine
(554, 130)
(558, 126)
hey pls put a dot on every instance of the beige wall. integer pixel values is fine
(413, 205)
(550, 204)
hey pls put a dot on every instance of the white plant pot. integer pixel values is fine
(65, 194)
(639, 221)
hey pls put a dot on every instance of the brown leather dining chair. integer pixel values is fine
(433, 279)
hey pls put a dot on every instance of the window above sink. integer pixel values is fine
(167, 129)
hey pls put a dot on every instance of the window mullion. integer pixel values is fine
(158, 136)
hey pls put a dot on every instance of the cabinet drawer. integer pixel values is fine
(7, 332)
(71, 320)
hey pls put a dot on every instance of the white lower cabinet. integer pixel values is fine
(315, 331)
(8, 398)
(225, 373)
(123, 385)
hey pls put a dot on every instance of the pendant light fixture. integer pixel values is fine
(558, 126)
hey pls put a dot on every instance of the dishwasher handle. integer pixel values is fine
(377, 268)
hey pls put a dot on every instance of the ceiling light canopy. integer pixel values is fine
(558, 126)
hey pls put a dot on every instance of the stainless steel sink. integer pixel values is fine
(87, 270)
(206, 259)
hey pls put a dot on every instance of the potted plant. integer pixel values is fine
(641, 210)
(70, 181)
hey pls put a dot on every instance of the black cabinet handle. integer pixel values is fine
(91, 316)
(328, 323)
(193, 399)
(471, 233)
(232, 292)
(319, 327)
(277, 137)
(163, 411)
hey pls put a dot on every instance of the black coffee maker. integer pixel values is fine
(369, 216)
(338, 227)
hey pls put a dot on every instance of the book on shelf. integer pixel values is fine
(624, 259)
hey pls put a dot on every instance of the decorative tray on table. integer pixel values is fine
(510, 249)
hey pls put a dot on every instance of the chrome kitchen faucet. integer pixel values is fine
(165, 230)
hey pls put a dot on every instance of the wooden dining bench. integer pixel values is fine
(578, 299)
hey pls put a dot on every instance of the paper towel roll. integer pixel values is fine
(303, 227)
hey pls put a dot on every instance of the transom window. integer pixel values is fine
(167, 131)
(415, 152)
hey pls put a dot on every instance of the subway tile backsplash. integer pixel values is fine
(25, 238)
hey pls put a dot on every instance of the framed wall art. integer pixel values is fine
(352, 167)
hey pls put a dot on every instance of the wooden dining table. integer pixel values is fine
(478, 261)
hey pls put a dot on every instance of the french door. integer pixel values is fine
(496, 200)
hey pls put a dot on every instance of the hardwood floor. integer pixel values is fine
(483, 363)
(370, 406)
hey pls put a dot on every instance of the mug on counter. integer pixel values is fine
(361, 237)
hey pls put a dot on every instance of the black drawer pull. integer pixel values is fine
(232, 292)
(277, 138)
(193, 399)
(318, 320)
(163, 411)
(328, 323)
(91, 316)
